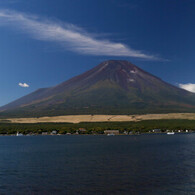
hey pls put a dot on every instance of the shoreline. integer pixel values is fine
(74, 134)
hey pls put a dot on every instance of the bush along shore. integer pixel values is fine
(124, 128)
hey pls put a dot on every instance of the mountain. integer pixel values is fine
(112, 87)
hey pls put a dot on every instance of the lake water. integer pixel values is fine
(87, 164)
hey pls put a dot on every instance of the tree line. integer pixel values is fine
(97, 127)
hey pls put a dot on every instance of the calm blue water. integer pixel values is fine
(145, 164)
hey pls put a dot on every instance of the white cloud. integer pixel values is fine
(188, 86)
(69, 36)
(23, 85)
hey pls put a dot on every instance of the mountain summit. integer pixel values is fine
(112, 87)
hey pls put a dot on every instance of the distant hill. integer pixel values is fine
(112, 87)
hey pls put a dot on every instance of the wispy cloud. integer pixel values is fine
(23, 85)
(188, 86)
(69, 36)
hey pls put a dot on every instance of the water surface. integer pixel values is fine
(87, 164)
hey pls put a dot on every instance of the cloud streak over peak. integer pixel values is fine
(68, 36)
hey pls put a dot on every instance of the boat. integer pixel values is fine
(170, 133)
(19, 134)
(110, 134)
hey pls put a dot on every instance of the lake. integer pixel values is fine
(88, 164)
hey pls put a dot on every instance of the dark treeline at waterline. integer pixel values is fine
(98, 127)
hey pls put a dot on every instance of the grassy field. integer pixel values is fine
(100, 118)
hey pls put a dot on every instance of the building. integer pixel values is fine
(82, 130)
(115, 132)
(156, 130)
(54, 132)
(126, 132)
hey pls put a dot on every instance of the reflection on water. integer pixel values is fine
(145, 164)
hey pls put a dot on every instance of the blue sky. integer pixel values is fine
(45, 42)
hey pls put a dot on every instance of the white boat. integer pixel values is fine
(19, 134)
(110, 134)
(170, 133)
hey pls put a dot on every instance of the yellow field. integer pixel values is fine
(103, 118)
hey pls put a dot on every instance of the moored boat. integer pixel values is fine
(110, 134)
(170, 133)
